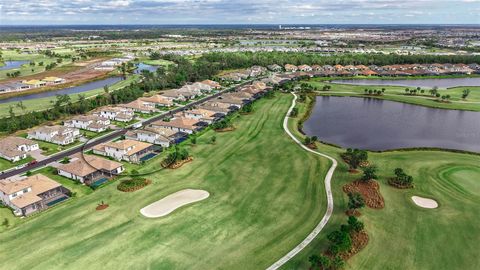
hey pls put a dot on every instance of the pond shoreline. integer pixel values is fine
(463, 143)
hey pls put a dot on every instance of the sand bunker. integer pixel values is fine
(425, 202)
(173, 201)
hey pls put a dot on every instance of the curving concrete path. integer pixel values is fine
(328, 189)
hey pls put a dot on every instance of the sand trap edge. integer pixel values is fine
(169, 203)
(424, 202)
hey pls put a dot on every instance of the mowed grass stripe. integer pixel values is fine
(266, 195)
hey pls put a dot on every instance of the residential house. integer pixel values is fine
(53, 80)
(32, 194)
(202, 115)
(35, 83)
(290, 68)
(121, 114)
(173, 95)
(128, 150)
(305, 68)
(212, 84)
(88, 169)
(275, 68)
(155, 135)
(156, 101)
(179, 124)
(232, 102)
(15, 148)
(55, 134)
(139, 106)
(93, 123)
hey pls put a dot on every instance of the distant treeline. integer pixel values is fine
(206, 67)
(247, 59)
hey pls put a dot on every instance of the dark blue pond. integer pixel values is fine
(375, 124)
(12, 64)
(70, 90)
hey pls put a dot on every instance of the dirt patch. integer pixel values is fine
(178, 164)
(353, 212)
(225, 129)
(359, 241)
(370, 191)
(353, 171)
(101, 207)
(312, 146)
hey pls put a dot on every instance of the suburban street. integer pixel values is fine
(113, 134)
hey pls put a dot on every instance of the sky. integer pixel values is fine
(61, 12)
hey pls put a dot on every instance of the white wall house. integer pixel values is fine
(55, 134)
(15, 148)
(89, 122)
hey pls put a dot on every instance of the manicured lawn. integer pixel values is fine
(266, 195)
(5, 164)
(402, 235)
(51, 148)
(159, 62)
(397, 93)
(26, 69)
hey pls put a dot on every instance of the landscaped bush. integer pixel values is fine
(133, 184)
(401, 179)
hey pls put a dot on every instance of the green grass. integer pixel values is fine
(159, 62)
(261, 205)
(5, 164)
(397, 93)
(26, 69)
(402, 235)
(45, 103)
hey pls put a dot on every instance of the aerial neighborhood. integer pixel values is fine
(150, 123)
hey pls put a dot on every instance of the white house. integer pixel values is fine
(120, 114)
(15, 148)
(156, 101)
(93, 123)
(153, 135)
(55, 134)
(179, 124)
(128, 150)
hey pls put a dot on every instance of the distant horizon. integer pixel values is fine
(212, 12)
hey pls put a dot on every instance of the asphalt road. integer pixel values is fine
(112, 135)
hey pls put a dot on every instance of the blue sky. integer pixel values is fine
(239, 12)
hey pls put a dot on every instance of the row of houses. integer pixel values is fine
(388, 70)
(237, 76)
(38, 192)
(30, 84)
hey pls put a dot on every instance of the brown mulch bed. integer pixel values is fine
(353, 212)
(392, 183)
(101, 207)
(180, 163)
(359, 241)
(225, 129)
(370, 191)
(312, 146)
(145, 183)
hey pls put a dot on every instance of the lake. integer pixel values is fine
(143, 66)
(12, 64)
(69, 90)
(427, 83)
(373, 124)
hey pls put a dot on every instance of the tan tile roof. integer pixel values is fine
(180, 122)
(125, 144)
(88, 165)
(39, 183)
(157, 99)
(9, 146)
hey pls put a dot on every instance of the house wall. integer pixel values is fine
(71, 176)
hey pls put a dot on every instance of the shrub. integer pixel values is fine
(133, 184)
